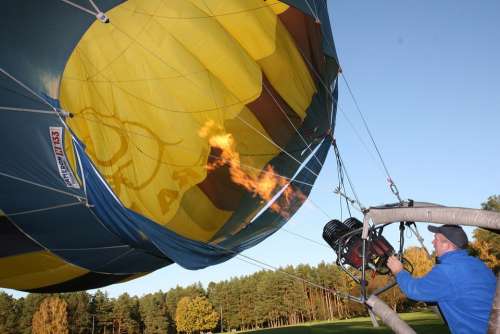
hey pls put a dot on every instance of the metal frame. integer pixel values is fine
(343, 240)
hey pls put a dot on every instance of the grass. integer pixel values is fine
(422, 322)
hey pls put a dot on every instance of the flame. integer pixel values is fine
(265, 184)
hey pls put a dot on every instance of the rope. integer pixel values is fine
(282, 149)
(392, 185)
(419, 238)
(95, 7)
(358, 136)
(204, 16)
(344, 169)
(313, 12)
(86, 10)
(276, 145)
(341, 192)
(264, 265)
(245, 122)
(304, 238)
(42, 186)
(17, 81)
(308, 145)
(43, 209)
(328, 89)
(58, 112)
(189, 150)
(20, 83)
(37, 111)
(217, 108)
(317, 207)
(82, 174)
(87, 249)
(97, 12)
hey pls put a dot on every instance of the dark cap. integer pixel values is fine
(453, 233)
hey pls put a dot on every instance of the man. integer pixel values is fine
(462, 285)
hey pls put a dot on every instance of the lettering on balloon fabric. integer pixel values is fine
(56, 138)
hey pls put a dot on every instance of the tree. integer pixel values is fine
(486, 244)
(9, 314)
(419, 259)
(27, 307)
(154, 313)
(492, 203)
(182, 316)
(102, 309)
(126, 315)
(195, 314)
(51, 317)
(79, 318)
(173, 297)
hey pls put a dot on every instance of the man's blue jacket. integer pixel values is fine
(462, 285)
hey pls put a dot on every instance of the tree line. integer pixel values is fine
(263, 299)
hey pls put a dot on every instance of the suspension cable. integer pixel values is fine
(86, 10)
(28, 89)
(341, 187)
(277, 145)
(298, 235)
(313, 12)
(59, 112)
(42, 186)
(97, 12)
(360, 139)
(36, 111)
(413, 228)
(392, 184)
(264, 265)
(19, 213)
(308, 146)
(337, 154)
(216, 157)
(320, 79)
(239, 117)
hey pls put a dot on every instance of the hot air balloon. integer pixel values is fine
(135, 134)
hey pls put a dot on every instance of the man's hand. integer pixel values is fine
(394, 265)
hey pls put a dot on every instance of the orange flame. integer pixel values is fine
(265, 184)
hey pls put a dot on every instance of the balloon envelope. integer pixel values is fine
(177, 131)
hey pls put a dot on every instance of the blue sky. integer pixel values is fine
(426, 75)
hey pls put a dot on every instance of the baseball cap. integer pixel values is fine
(453, 233)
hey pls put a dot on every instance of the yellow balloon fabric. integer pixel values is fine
(142, 87)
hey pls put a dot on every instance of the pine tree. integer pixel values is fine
(102, 308)
(79, 318)
(154, 313)
(126, 316)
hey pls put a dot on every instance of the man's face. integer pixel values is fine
(441, 244)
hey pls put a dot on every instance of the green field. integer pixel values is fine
(421, 322)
